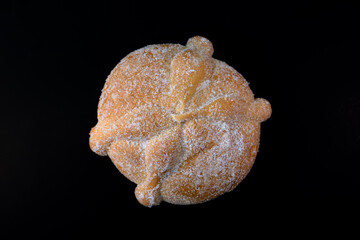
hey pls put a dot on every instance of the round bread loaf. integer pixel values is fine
(182, 125)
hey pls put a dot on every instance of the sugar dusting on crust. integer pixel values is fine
(138, 104)
(214, 160)
(141, 77)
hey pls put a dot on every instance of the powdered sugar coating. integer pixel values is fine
(183, 126)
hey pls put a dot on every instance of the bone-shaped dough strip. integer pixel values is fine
(189, 69)
(226, 108)
(161, 155)
(141, 123)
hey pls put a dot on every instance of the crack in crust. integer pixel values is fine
(192, 141)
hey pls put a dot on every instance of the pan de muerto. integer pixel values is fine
(182, 125)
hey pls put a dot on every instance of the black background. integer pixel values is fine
(301, 56)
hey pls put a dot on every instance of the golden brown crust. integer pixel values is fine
(184, 126)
